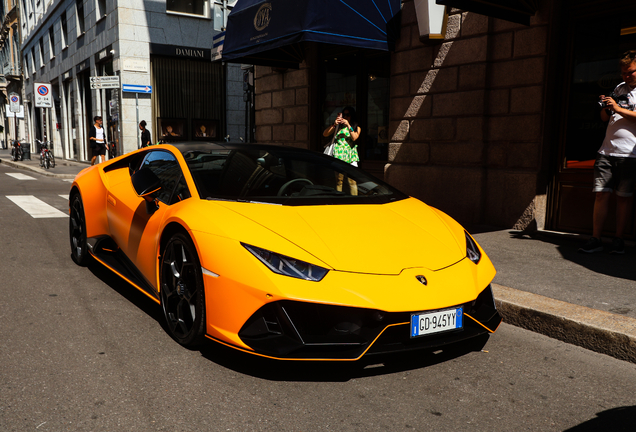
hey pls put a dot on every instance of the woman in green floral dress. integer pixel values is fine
(347, 132)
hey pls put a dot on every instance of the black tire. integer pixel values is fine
(13, 155)
(182, 292)
(77, 231)
(52, 159)
(47, 162)
(41, 160)
(20, 154)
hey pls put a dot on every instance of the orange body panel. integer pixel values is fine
(373, 252)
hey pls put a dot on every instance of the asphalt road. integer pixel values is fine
(80, 350)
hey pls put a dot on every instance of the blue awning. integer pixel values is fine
(271, 32)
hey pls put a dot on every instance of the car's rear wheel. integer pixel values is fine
(182, 293)
(77, 231)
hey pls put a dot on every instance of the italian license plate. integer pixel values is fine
(436, 322)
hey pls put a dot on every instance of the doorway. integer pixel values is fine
(596, 40)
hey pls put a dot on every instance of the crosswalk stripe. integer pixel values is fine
(64, 196)
(20, 176)
(37, 208)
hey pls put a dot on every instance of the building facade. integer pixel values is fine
(11, 79)
(493, 121)
(162, 47)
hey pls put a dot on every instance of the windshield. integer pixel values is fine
(281, 175)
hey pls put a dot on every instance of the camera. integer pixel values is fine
(617, 98)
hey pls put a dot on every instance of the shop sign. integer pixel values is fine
(43, 97)
(217, 46)
(181, 51)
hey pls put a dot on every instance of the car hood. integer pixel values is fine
(373, 239)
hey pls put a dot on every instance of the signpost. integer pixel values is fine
(14, 107)
(136, 89)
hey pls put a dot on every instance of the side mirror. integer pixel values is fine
(146, 185)
(145, 182)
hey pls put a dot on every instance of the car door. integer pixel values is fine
(135, 230)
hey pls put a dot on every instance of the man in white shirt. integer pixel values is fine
(615, 166)
(97, 141)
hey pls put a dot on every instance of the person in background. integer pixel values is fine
(347, 132)
(97, 141)
(615, 166)
(145, 134)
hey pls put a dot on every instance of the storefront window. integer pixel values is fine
(193, 7)
(360, 80)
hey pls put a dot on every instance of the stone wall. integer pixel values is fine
(282, 106)
(467, 116)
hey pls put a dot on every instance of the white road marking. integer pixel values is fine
(38, 209)
(64, 196)
(20, 176)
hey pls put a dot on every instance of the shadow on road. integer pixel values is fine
(332, 371)
(615, 420)
(129, 292)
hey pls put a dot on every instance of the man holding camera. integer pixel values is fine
(615, 166)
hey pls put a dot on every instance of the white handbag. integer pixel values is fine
(329, 149)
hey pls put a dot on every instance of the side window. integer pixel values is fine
(166, 167)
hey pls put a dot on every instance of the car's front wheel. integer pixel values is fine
(182, 293)
(77, 231)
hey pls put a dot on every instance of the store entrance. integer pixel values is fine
(359, 79)
(597, 43)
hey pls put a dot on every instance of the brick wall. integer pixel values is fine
(282, 106)
(467, 116)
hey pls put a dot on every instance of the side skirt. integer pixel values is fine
(107, 253)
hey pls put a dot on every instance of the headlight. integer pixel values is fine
(287, 266)
(472, 251)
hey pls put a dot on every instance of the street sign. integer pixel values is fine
(43, 97)
(105, 78)
(135, 88)
(9, 114)
(14, 103)
(104, 82)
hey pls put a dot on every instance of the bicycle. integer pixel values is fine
(112, 150)
(17, 153)
(47, 160)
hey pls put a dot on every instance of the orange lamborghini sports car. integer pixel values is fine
(282, 252)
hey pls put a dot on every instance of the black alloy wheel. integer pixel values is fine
(182, 293)
(77, 231)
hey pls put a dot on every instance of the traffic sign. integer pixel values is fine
(135, 88)
(14, 103)
(43, 97)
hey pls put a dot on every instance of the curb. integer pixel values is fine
(592, 329)
(20, 165)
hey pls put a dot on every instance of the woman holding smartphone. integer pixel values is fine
(347, 132)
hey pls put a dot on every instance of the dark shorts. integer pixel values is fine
(615, 174)
(98, 150)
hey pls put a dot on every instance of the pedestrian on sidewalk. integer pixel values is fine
(615, 166)
(96, 140)
(145, 134)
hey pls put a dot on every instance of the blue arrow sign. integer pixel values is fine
(135, 88)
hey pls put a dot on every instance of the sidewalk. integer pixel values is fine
(63, 169)
(543, 283)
